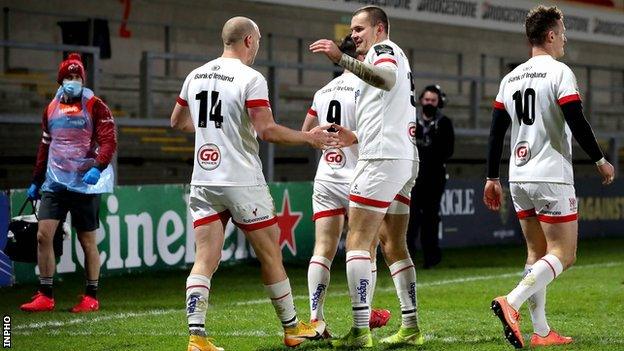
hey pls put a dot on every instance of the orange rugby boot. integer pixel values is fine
(553, 338)
(510, 319)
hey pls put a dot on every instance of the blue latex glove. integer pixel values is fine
(92, 176)
(33, 192)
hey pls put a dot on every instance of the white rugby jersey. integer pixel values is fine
(541, 141)
(335, 104)
(386, 120)
(226, 149)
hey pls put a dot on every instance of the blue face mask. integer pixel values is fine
(72, 88)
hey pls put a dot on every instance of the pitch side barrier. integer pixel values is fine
(148, 228)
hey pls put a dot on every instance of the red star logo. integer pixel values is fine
(287, 222)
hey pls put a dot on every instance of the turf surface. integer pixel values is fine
(146, 312)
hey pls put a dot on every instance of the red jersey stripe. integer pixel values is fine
(257, 103)
(181, 101)
(498, 105)
(570, 98)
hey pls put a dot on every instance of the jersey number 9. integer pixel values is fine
(333, 114)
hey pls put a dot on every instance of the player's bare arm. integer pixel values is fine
(268, 130)
(181, 119)
(310, 122)
(381, 77)
(493, 192)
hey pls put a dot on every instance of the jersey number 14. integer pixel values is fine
(214, 115)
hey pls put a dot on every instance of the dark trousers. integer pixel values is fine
(425, 218)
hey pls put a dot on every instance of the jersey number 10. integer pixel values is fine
(215, 109)
(525, 112)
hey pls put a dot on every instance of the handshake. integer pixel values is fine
(331, 136)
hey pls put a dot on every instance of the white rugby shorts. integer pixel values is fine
(549, 202)
(250, 207)
(383, 185)
(329, 199)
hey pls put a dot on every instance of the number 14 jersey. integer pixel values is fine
(226, 149)
(541, 141)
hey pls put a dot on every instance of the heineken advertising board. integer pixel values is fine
(149, 227)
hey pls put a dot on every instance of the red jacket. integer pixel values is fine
(104, 134)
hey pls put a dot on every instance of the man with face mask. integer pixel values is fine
(72, 170)
(435, 140)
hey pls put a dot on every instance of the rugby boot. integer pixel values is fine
(202, 343)
(293, 336)
(405, 336)
(510, 319)
(87, 304)
(379, 318)
(356, 338)
(321, 328)
(39, 303)
(553, 338)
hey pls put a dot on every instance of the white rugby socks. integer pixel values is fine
(197, 290)
(282, 300)
(537, 308)
(359, 278)
(318, 282)
(544, 271)
(404, 277)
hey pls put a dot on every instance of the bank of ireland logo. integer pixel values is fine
(522, 153)
(209, 156)
(335, 158)
(411, 132)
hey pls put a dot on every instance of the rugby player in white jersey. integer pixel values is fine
(334, 104)
(384, 175)
(225, 102)
(541, 101)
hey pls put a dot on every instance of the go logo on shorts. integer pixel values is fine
(411, 132)
(209, 156)
(335, 158)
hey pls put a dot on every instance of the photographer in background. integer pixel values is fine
(435, 140)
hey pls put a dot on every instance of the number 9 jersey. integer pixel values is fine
(541, 141)
(218, 95)
(335, 104)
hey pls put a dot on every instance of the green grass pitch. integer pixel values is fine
(146, 312)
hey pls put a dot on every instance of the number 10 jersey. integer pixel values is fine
(541, 141)
(218, 95)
